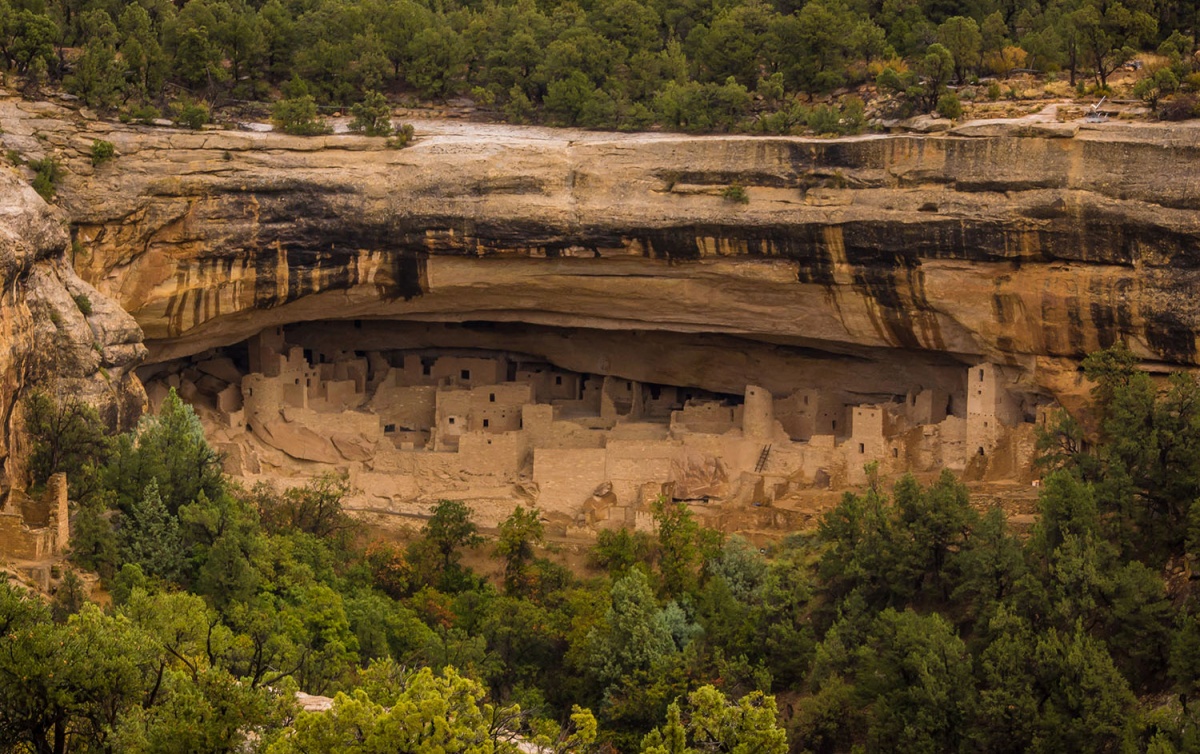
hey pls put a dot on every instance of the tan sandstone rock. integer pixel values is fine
(880, 256)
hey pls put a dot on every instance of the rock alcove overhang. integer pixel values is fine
(991, 244)
(720, 363)
(713, 308)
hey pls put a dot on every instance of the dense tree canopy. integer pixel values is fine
(695, 65)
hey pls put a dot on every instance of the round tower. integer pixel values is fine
(758, 414)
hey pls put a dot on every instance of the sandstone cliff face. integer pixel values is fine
(47, 341)
(873, 256)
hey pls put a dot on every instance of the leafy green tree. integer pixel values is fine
(280, 38)
(223, 540)
(1110, 32)
(816, 46)
(428, 713)
(618, 550)
(27, 36)
(993, 34)
(715, 723)
(67, 435)
(579, 49)
(317, 508)
(141, 50)
(1006, 717)
(627, 22)
(578, 736)
(734, 45)
(519, 534)
(1185, 660)
(189, 696)
(303, 633)
(240, 36)
(1154, 87)
(372, 116)
(828, 721)
(1136, 624)
(149, 536)
(936, 67)
(385, 629)
(190, 113)
(909, 28)
(69, 597)
(1143, 462)
(197, 58)
(1060, 444)
(170, 449)
(671, 738)
(960, 35)
(437, 60)
(1057, 691)
(99, 76)
(861, 553)
(916, 674)
(741, 566)
(298, 116)
(679, 560)
(1068, 507)
(787, 638)
(93, 539)
(522, 636)
(932, 526)
(450, 529)
(209, 710)
(633, 635)
(988, 568)
(66, 685)
(569, 98)
(127, 581)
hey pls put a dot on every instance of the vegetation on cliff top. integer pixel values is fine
(693, 65)
(909, 621)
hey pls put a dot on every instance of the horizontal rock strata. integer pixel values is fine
(992, 243)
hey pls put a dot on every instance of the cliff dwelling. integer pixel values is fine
(499, 414)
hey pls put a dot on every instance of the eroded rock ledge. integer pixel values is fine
(57, 332)
(994, 243)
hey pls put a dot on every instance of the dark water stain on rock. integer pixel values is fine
(1172, 337)
(674, 244)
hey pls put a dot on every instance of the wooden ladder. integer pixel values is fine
(762, 459)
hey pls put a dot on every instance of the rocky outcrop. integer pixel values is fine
(57, 332)
(880, 255)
